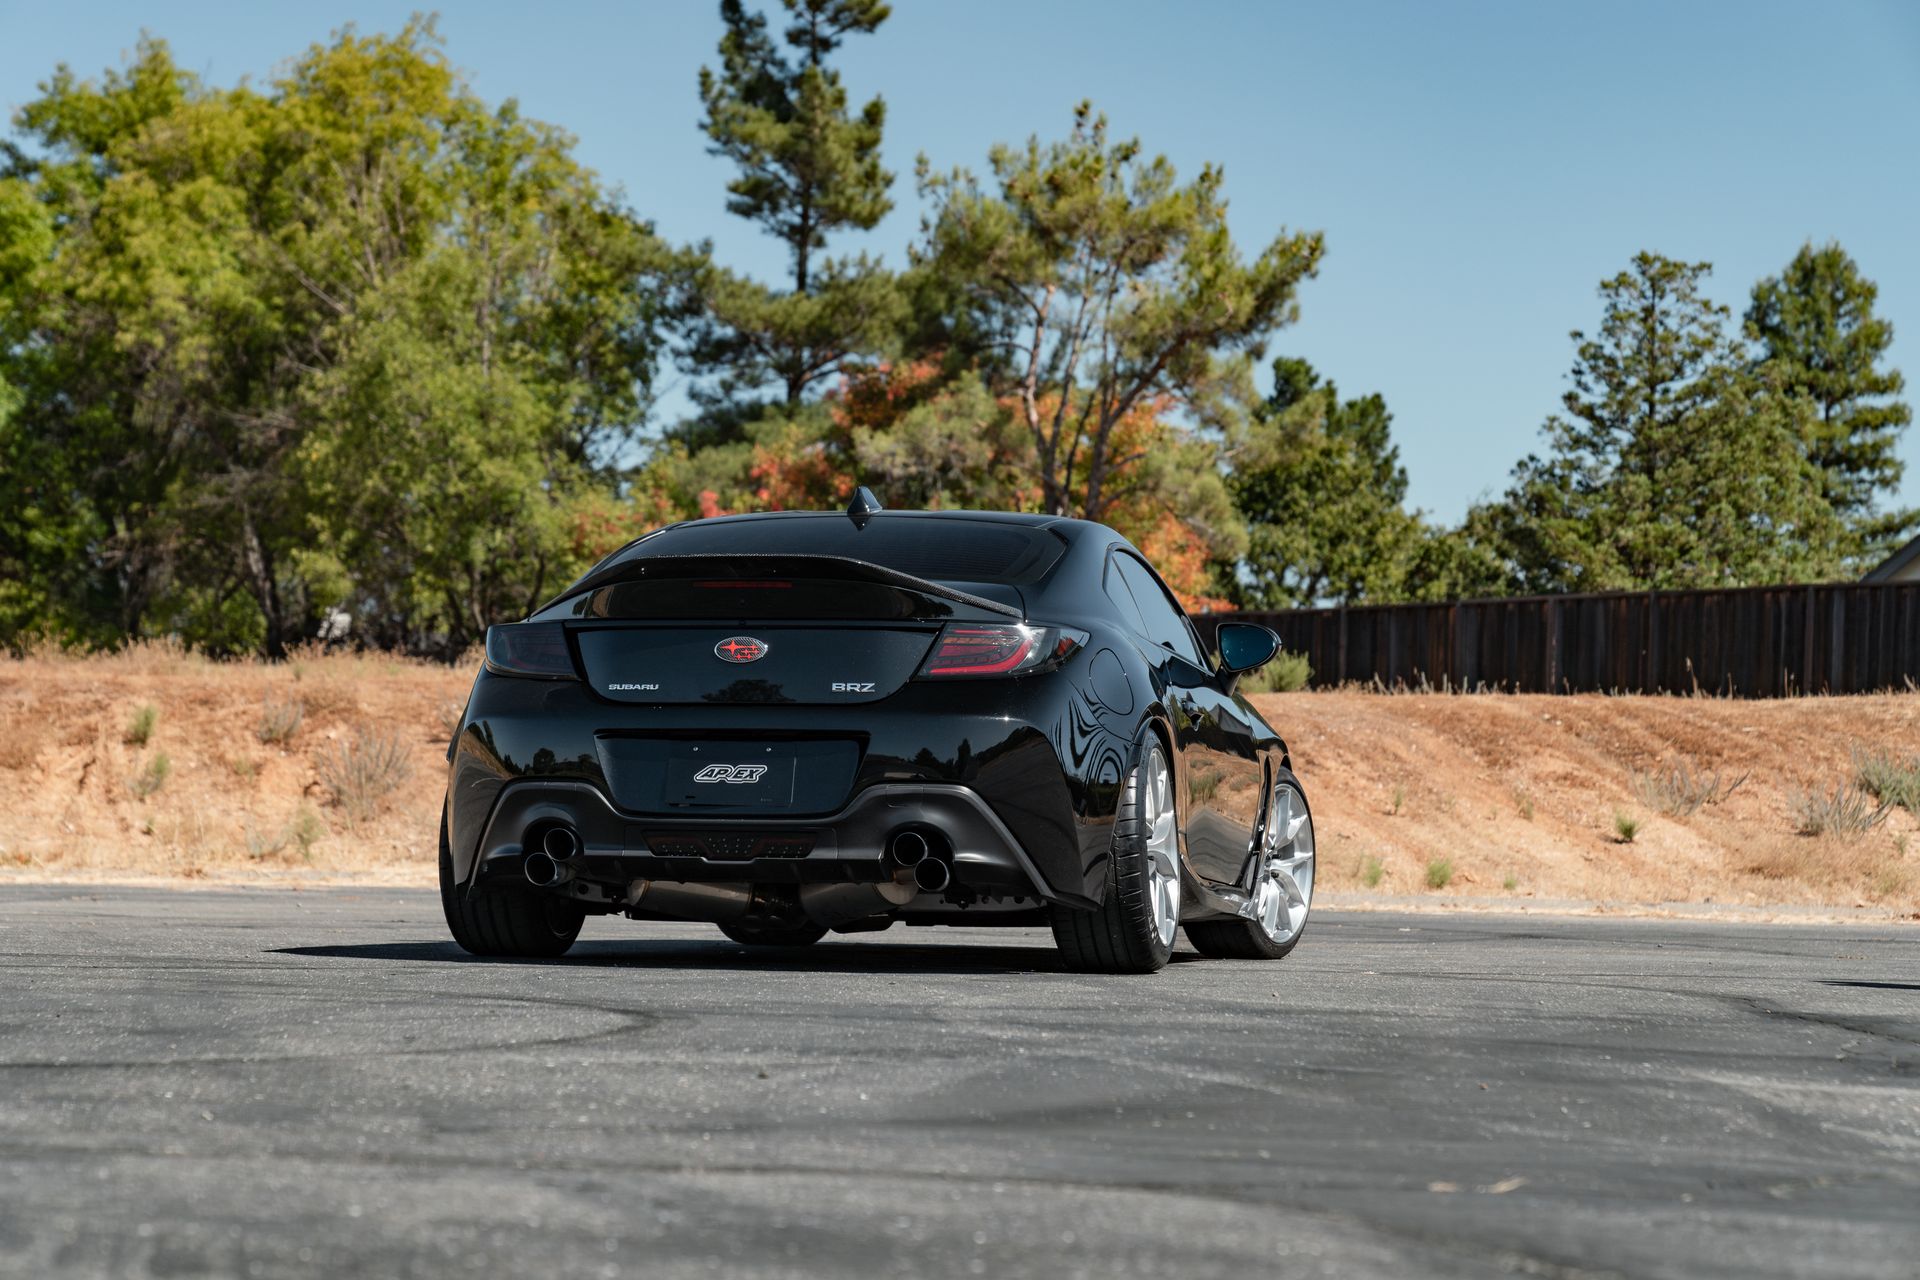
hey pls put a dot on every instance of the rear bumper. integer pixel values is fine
(981, 762)
(617, 848)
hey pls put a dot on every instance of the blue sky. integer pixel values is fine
(1477, 169)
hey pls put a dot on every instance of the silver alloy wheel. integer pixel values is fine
(1284, 892)
(1163, 849)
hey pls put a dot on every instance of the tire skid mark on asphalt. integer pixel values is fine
(1793, 1097)
(1055, 1185)
(1230, 1192)
(1760, 1005)
(634, 1020)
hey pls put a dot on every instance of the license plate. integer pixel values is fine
(731, 777)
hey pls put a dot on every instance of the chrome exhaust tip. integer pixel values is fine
(543, 872)
(930, 875)
(909, 848)
(560, 843)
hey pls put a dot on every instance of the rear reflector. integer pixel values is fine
(998, 649)
(537, 649)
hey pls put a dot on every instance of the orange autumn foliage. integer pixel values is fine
(1179, 551)
(798, 468)
(795, 479)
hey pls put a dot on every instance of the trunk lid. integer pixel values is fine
(676, 630)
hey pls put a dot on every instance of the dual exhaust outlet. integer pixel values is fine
(912, 851)
(909, 850)
(548, 865)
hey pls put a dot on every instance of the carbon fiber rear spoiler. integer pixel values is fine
(843, 568)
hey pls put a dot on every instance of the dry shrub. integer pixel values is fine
(280, 720)
(1287, 672)
(302, 830)
(1680, 792)
(1845, 811)
(324, 697)
(1889, 778)
(364, 770)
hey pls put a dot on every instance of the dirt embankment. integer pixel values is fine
(234, 771)
(283, 771)
(1522, 796)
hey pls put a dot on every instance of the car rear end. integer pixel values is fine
(777, 718)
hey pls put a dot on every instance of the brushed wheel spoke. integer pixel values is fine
(1283, 892)
(1161, 853)
(1162, 844)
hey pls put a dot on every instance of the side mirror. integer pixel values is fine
(1244, 646)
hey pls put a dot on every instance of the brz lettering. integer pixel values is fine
(852, 686)
(731, 773)
(631, 688)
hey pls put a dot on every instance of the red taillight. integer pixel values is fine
(998, 649)
(530, 649)
(980, 651)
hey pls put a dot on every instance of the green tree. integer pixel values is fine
(1320, 485)
(110, 303)
(808, 167)
(1817, 333)
(354, 339)
(1460, 563)
(1096, 292)
(1672, 466)
(491, 352)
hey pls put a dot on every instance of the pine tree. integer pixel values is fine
(1675, 466)
(1100, 292)
(1817, 334)
(808, 167)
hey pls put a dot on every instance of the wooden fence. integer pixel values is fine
(1749, 642)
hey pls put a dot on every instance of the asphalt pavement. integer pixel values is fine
(256, 1083)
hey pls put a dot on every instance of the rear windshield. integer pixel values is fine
(941, 549)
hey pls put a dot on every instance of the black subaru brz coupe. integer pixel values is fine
(791, 723)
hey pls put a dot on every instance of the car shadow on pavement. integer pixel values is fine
(826, 957)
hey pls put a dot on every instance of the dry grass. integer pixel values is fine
(1516, 790)
(254, 753)
(364, 770)
(1525, 788)
(21, 742)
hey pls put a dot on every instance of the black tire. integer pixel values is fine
(505, 921)
(1238, 940)
(1245, 939)
(759, 935)
(1118, 937)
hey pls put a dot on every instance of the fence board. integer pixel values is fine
(1748, 641)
